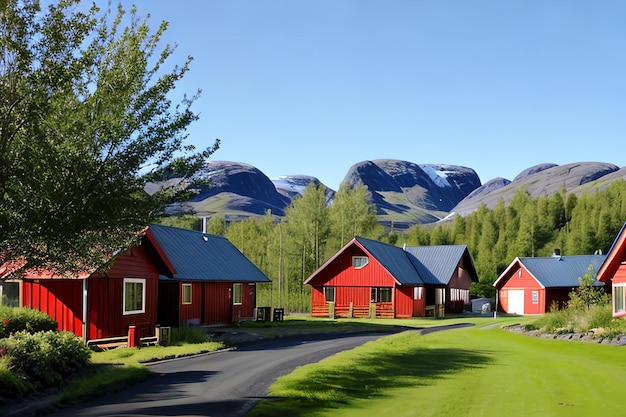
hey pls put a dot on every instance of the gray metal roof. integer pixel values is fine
(561, 271)
(394, 260)
(204, 257)
(437, 264)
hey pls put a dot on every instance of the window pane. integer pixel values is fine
(329, 294)
(359, 261)
(619, 298)
(385, 295)
(381, 295)
(133, 296)
(186, 293)
(237, 293)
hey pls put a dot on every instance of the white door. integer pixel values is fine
(516, 302)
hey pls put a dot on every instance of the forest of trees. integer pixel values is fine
(292, 248)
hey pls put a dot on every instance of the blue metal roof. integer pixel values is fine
(204, 257)
(561, 271)
(437, 264)
(394, 260)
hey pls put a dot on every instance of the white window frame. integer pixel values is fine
(185, 302)
(141, 281)
(356, 261)
(535, 296)
(240, 301)
(621, 288)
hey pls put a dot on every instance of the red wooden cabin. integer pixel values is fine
(613, 273)
(175, 277)
(368, 277)
(533, 285)
(212, 283)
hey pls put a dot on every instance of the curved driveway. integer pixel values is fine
(227, 383)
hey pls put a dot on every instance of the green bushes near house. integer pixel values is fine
(588, 309)
(17, 319)
(33, 354)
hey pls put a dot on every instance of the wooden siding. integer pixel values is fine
(106, 318)
(190, 313)
(249, 301)
(341, 273)
(60, 299)
(407, 305)
(460, 280)
(218, 302)
(620, 275)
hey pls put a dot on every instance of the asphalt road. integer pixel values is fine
(227, 383)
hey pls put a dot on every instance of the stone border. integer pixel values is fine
(591, 336)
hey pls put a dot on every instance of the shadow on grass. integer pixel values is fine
(369, 376)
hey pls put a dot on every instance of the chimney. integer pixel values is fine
(557, 252)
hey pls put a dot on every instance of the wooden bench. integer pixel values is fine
(108, 343)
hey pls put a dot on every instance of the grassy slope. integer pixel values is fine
(478, 371)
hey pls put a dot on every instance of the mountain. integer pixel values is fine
(404, 193)
(541, 179)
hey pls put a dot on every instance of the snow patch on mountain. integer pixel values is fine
(437, 174)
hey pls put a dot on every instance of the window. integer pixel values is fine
(237, 293)
(329, 294)
(10, 293)
(359, 261)
(618, 299)
(381, 295)
(418, 293)
(186, 293)
(535, 297)
(134, 295)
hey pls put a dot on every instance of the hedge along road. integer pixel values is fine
(226, 383)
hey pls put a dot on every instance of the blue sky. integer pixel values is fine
(313, 87)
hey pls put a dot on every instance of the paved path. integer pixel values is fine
(227, 383)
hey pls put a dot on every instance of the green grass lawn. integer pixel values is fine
(478, 371)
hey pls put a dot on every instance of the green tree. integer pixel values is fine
(587, 294)
(351, 215)
(84, 110)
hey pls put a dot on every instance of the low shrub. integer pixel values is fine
(11, 385)
(581, 320)
(17, 319)
(45, 358)
(192, 335)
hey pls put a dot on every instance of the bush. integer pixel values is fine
(45, 358)
(11, 385)
(191, 335)
(17, 319)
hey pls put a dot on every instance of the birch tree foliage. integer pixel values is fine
(84, 108)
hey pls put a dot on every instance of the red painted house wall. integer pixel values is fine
(620, 275)
(352, 285)
(460, 280)
(410, 302)
(521, 279)
(193, 311)
(106, 318)
(218, 302)
(61, 299)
